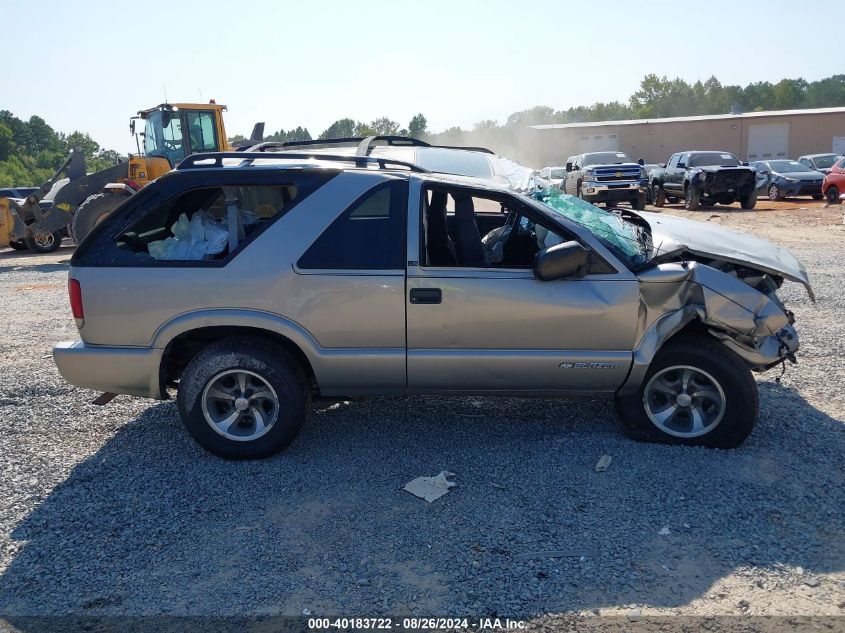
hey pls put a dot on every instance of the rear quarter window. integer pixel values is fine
(195, 218)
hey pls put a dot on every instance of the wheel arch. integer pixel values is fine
(684, 322)
(183, 337)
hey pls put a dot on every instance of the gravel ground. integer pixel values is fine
(114, 510)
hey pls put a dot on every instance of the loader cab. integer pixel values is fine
(174, 131)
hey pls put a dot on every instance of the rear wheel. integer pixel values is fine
(91, 212)
(749, 201)
(832, 195)
(243, 399)
(692, 199)
(775, 193)
(658, 195)
(696, 393)
(44, 243)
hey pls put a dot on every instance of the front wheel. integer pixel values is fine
(44, 243)
(638, 203)
(658, 195)
(692, 199)
(697, 393)
(775, 193)
(749, 201)
(832, 195)
(243, 399)
(18, 245)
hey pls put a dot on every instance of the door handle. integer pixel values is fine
(426, 295)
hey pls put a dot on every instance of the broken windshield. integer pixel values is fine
(627, 240)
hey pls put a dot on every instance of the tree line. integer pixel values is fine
(30, 151)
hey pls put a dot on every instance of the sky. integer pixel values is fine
(89, 65)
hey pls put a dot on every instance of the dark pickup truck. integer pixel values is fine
(702, 178)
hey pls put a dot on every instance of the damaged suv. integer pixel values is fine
(251, 282)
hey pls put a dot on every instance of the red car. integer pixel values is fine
(834, 183)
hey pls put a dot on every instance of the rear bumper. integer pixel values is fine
(129, 370)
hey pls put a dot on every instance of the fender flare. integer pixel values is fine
(225, 317)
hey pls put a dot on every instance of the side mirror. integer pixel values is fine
(568, 167)
(132, 126)
(663, 165)
(745, 164)
(569, 259)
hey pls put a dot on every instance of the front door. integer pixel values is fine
(492, 326)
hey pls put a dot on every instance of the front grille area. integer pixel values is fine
(612, 173)
(723, 180)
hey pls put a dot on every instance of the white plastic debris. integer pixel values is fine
(192, 239)
(603, 463)
(664, 531)
(431, 488)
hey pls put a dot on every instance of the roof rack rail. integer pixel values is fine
(390, 139)
(366, 143)
(468, 148)
(215, 159)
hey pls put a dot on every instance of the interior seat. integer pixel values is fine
(441, 249)
(469, 248)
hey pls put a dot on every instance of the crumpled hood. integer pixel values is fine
(708, 240)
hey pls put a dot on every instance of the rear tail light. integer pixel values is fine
(75, 292)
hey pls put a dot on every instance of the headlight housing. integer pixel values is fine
(589, 174)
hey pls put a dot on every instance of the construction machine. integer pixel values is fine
(32, 222)
(171, 132)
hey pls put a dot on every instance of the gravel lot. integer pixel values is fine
(114, 510)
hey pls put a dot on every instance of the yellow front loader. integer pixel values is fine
(171, 132)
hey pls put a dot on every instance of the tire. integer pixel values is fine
(818, 197)
(714, 369)
(658, 195)
(91, 212)
(692, 198)
(638, 203)
(18, 245)
(578, 190)
(832, 195)
(749, 201)
(47, 243)
(267, 369)
(775, 193)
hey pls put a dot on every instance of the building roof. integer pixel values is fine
(682, 119)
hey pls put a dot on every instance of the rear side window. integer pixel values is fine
(205, 224)
(369, 235)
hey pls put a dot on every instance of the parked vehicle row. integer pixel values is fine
(696, 177)
(376, 275)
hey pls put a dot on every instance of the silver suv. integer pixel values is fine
(252, 281)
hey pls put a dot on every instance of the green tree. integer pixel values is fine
(418, 127)
(84, 142)
(339, 129)
(383, 125)
(6, 139)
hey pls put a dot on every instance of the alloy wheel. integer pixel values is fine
(684, 401)
(240, 405)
